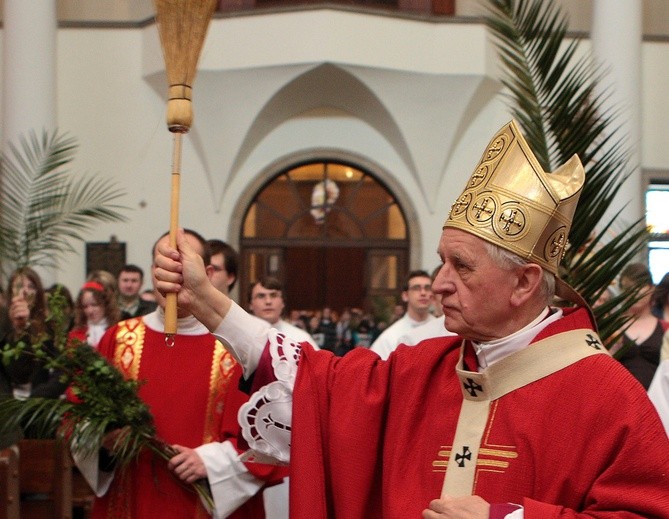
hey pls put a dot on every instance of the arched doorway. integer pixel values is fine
(333, 234)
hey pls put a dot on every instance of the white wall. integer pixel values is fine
(655, 109)
(413, 101)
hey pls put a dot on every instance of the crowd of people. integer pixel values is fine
(467, 402)
(192, 390)
(104, 299)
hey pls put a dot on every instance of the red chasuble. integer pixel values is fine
(374, 439)
(191, 389)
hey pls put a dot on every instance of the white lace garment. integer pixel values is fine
(266, 418)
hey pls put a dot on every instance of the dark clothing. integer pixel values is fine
(362, 337)
(5, 324)
(11, 437)
(145, 307)
(5, 386)
(344, 338)
(658, 311)
(329, 330)
(27, 369)
(643, 359)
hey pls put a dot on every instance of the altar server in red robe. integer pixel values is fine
(191, 386)
(523, 414)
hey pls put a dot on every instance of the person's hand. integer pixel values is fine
(183, 272)
(19, 312)
(467, 507)
(180, 270)
(187, 465)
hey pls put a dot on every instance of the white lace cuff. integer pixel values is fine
(267, 417)
(98, 480)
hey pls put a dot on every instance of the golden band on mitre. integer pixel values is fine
(512, 202)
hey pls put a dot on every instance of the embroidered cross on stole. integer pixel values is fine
(538, 360)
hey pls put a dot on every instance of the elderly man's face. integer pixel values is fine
(475, 291)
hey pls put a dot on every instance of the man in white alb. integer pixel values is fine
(267, 302)
(417, 294)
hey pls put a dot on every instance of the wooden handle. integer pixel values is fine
(182, 27)
(171, 300)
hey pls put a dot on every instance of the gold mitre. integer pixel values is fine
(512, 202)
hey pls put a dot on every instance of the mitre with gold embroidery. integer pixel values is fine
(512, 202)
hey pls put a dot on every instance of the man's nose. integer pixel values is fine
(442, 281)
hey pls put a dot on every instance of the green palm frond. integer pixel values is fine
(43, 416)
(552, 94)
(44, 209)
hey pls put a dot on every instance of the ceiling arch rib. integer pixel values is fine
(326, 87)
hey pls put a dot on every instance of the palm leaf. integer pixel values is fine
(42, 416)
(44, 209)
(551, 89)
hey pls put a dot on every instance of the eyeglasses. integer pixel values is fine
(217, 268)
(418, 288)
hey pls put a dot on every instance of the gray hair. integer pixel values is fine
(507, 260)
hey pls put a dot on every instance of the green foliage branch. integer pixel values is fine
(551, 89)
(100, 400)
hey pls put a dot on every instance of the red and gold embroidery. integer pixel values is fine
(491, 457)
(495, 459)
(222, 369)
(129, 345)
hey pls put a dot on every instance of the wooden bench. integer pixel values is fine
(45, 479)
(82, 495)
(9, 483)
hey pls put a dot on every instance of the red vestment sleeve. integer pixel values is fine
(338, 440)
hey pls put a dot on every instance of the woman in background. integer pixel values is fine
(661, 299)
(661, 311)
(27, 374)
(68, 302)
(642, 340)
(96, 309)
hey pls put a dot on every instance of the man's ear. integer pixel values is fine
(231, 280)
(209, 269)
(405, 296)
(528, 283)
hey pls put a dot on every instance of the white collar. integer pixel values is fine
(102, 323)
(188, 325)
(95, 331)
(490, 352)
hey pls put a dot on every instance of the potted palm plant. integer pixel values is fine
(45, 208)
(551, 92)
